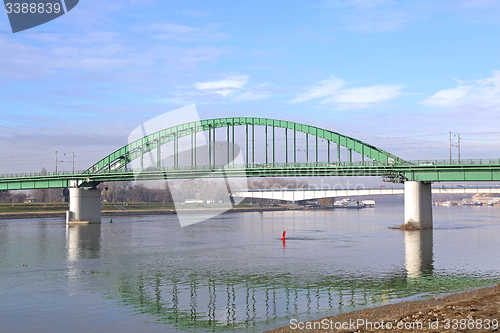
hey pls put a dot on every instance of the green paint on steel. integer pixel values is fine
(471, 170)
(307, 147)
(328, 151)
(274, 147)
(316, 149)
(253, 144)
(286, 145)
(227, 145)
(265, 143)
(209, 147)
(294, 146)
(246, 129)
(128, 153)
(113, 166)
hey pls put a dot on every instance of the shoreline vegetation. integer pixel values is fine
(34, 210)
(470, 311)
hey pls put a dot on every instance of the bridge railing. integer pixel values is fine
(456, 162)
(84, 173)
(256, 166)
(208, 168)
(42, 174)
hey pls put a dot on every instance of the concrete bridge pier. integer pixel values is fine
(84, 206)
(418, 204)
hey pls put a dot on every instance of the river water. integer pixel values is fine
(233, 273)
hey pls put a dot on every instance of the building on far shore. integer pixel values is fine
(369, 203)
(30, 200)
(486, 198)
(194, 201)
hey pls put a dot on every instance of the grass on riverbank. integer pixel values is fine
(34, 207)
(64, 206)
(119, 206)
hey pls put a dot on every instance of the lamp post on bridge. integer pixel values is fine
(455, 145)
(72, 161)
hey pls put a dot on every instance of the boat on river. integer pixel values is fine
(349, 203)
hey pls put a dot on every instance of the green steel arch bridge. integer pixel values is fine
(268, 147)
(322, 161)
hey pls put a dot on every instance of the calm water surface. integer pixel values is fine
(232, 273)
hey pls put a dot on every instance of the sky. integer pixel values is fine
(400, 75)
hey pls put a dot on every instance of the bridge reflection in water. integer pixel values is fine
(83, 242)
(418, 253)
(223, 301)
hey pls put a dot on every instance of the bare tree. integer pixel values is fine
(5, 196)
(326, 202)
(126, 192)
(41, 194)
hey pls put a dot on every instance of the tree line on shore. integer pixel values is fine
(161, 192)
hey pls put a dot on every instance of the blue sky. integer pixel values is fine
(397, 74)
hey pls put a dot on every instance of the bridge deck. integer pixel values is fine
(309, 194)
(432, 171)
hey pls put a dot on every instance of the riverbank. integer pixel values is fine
(472, 311)
(145, 211)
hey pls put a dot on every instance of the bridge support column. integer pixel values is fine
(418, 204)
(84, 206)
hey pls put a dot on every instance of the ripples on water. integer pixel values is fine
(233, 273)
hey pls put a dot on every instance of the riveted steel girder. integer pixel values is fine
(121, 157)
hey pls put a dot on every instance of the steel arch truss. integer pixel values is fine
(121, 157)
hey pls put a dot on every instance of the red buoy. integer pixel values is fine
(284, 234)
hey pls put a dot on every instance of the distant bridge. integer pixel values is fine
(310, 194)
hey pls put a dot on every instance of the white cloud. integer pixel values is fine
(447, 97)
(377, 26)
(170, 31)
(363, 97)
(349, 98)
(373, 16)
(104, 54)
(252, 96)
(233, 81)
(210, 91)
(321, 89)
(168, 28)
(359, 3)
(195, 13)
(479, 3)
(477, 93)
(213, 91)
(379, 16)
(223, 87)
(182, 33)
